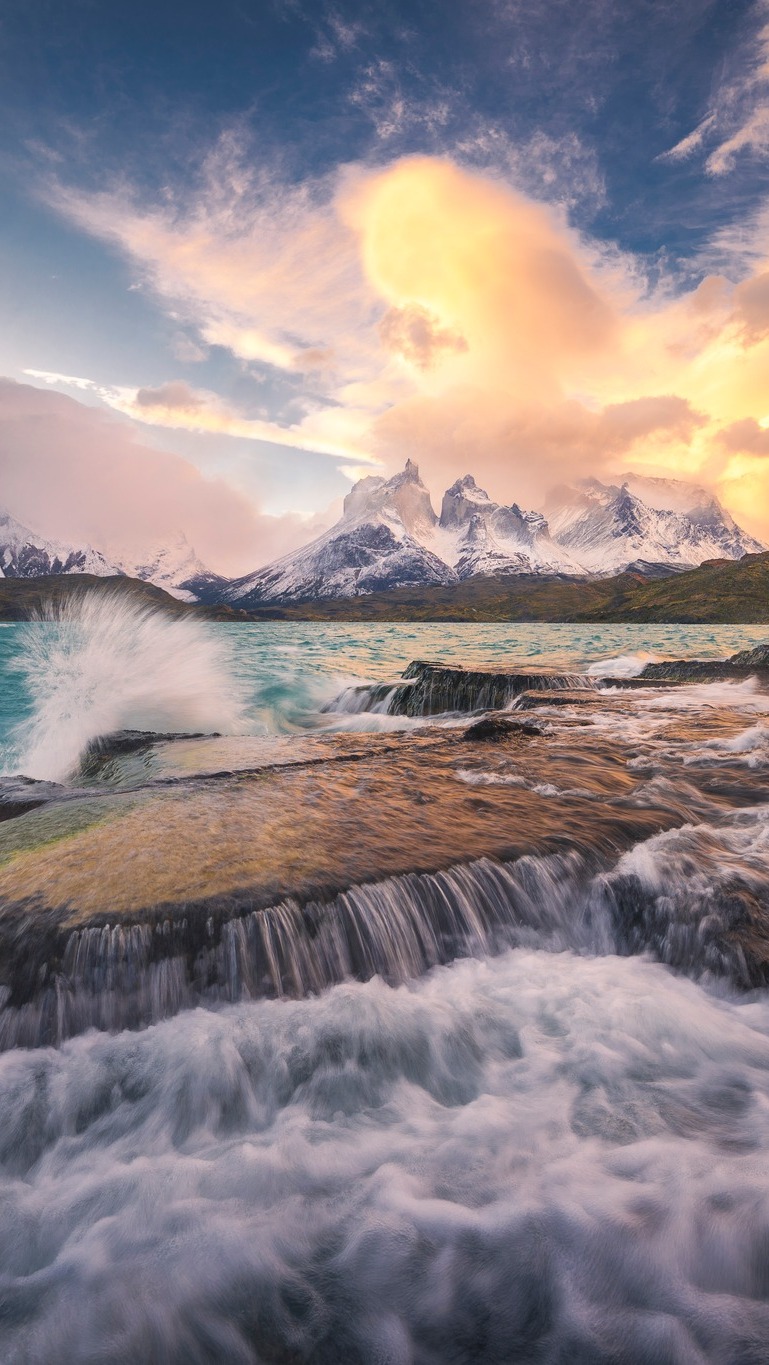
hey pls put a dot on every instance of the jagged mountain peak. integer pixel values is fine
(461, 502)
(25, 554)
(659, 522)
(403, 499)
(175, 566)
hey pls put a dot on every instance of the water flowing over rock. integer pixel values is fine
(117, 976)
(430, 689)
(386, 1037)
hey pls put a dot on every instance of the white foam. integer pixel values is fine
(103, 663)
(538, 1156)
(623, 666)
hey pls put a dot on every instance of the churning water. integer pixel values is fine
(536, 1129)
(103, 664)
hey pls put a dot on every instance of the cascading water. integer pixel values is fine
(101, 664)
(436, 689)
(513, 1109)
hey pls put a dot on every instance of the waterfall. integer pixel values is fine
(432, 689)
(113, 976)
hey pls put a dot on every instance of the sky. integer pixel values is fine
(252, 251)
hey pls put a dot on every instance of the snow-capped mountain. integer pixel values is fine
(176, 568)
(644, 523)
(478, 536)
(380, 542)
(23, 554)
(390, 537)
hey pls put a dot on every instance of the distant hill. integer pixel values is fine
(721, 591)
(21, 598)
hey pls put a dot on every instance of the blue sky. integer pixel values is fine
(192, 212)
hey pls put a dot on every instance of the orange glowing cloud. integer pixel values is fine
(435, 312)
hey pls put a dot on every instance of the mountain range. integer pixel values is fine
(390, 537)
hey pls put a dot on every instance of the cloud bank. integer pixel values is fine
(429, 310)
(77, 474)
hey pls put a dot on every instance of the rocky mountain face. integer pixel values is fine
(23, 554)
(176, 568)
(643, 523)
(478, 536)
(389, 536)
(382, 541)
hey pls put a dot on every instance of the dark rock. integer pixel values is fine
(20, 794)
(695, 670)
(501, 727)
(527, 701)
(751, 658)
(432, 689)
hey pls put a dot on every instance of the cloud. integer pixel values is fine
(521, 452)
(423, 308)
(179, 407)
(413, 333)
(745, 437)
(738, 121)
(256, 265)
(488, 265)
(692, 142)
(74, 473)
(175, 394)
(753, 136)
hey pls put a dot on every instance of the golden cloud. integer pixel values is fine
(452, 319)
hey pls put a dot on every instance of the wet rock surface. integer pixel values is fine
(428, 689)
(742, 665)
(501, 726)
(203, 870)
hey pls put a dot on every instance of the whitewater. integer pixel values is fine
(334, 1037)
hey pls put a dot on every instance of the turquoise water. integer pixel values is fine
(77, 679)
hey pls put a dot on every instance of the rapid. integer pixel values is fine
(333, 1035)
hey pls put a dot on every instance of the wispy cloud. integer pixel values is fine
(738, 121)
(178, 407)
(427, 308)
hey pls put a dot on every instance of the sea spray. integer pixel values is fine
(103, 663)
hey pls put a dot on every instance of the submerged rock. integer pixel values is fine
(501, 727)
(528, 701)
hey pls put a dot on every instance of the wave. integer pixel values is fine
(101, 663)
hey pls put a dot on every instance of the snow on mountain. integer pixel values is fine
(478, 536)
(379, 543)
(23, 554)
(390, 537)
(643, 523)
(176, 568)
